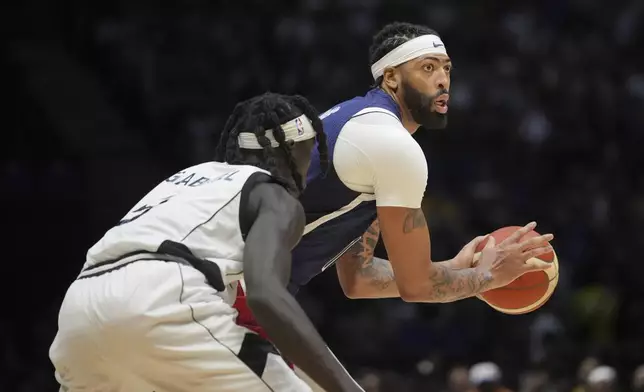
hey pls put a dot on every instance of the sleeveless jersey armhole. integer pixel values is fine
(246, 218)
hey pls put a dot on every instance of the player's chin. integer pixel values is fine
(436, 121)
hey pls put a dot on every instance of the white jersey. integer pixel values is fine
(198, 207)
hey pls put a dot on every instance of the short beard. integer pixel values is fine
(420, 105)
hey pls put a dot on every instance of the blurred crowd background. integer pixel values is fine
(105, 99)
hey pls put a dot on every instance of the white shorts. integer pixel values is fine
(157, 326)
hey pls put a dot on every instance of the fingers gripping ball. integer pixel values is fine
(528, 292)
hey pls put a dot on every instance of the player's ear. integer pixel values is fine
(391, 78)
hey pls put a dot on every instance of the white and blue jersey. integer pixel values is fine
(340, 209)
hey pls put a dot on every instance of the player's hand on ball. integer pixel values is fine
(465, 258)
(514, 257)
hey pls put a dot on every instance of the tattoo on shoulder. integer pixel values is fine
(415, 219)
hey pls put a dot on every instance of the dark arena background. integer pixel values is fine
(105, 99)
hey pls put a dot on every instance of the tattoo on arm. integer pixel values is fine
(446, 284)
(360, 260)
(415, 219)
(449, 285)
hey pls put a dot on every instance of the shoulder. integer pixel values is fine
(272, 196)
(378, 134)
(264, 196)
(385, 152)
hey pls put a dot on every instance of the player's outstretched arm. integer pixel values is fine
(395, 165)
(406, 238)
(278, 223)
(363, 276)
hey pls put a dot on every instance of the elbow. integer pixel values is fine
(354, 289)
(361, 291)
(411, 297)
(257, 295)
(352, 292)
(261, 306)
(262, 299)
(413, 293)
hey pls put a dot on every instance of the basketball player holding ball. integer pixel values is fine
(376, 182)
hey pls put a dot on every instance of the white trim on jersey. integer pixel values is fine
(101, 268)
(375, 110)
(340, 254)
(296, 130)
(242, 282)
(356, 202)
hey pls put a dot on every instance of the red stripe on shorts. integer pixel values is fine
(246, 319)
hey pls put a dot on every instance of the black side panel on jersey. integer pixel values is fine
(210, 270)
(254, 352)
(245, 217)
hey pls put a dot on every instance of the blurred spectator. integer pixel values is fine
(487, 377)
(638, 379)
(602, 379)
(458, 379)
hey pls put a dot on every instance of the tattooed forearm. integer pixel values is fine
(445, 284)
(448, 285)
(377, 273)
(364, 275)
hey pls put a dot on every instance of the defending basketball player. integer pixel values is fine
(152, 307)
(376, 181)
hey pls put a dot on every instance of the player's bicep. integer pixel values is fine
(399, 190)
(406, 238)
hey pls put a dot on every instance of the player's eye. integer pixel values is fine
(448, 68)
(428, 67)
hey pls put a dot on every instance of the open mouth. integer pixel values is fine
(441, 104)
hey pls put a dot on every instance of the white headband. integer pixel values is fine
(296, 130)
(419, 46)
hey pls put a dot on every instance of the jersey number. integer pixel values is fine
(139, 212)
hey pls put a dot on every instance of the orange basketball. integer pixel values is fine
(528, 292)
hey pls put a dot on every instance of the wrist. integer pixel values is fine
(451, 263)
(485, 278)
(456, 263)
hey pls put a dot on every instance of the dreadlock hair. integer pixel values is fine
(392, 36)
(264, 112)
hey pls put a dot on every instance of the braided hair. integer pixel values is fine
(392, 36)
(264, 112)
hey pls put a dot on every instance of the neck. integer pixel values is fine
(410, 125)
